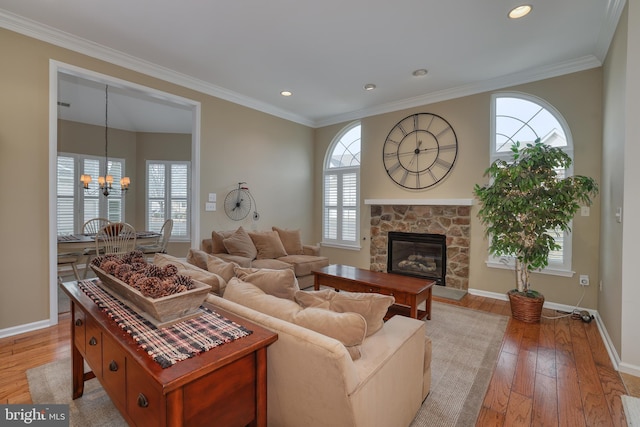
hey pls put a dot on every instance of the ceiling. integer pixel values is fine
(249, 51)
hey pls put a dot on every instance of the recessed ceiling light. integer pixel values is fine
(420, 72)
(369, 86)
(286, 93)
(520, 11)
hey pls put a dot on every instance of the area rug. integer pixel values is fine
(465, 343)
(51, 383)
(631, 407)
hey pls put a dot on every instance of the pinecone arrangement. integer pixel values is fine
(150, 280)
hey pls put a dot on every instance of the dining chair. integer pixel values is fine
(68, 260)
(116, 238)
(160, 246)
(91, 227)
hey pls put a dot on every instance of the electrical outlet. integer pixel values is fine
(584, 280)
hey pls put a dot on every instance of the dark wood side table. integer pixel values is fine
(225, 386)
(408, 291)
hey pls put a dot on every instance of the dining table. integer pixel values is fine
(70, 243)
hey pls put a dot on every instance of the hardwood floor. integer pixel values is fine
(556, 373)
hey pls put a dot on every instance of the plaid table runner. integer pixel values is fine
(170, 345)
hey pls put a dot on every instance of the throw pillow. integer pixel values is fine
(348, 328)
(372, 306)
(268, 245)
(221, 267)
(279, 283)
(197, 258)
(251, 296)
(217, 246)
(291, 240)
(239, 243)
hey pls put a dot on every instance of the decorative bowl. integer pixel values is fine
(161, 312)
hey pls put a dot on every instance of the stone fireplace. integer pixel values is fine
(450, 219)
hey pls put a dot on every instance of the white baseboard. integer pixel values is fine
(20, 329)
(611, 350)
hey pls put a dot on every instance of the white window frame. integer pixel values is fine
(80, 193)
(505, 262)
(168, 197)
(341, 173)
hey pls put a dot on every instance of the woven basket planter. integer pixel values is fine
(524, 308)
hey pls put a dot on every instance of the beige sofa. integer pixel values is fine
(276, 249)
(312, 379)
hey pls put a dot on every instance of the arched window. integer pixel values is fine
(341, 189)
(525, 118)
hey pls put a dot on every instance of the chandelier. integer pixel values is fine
(106, 182)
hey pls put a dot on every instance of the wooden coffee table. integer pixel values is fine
(408, 291)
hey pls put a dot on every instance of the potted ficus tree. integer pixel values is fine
(527, 202)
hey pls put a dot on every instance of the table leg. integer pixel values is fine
(428, 304)
(413, 312)
(77, 372)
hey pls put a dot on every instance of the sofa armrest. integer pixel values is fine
(311, 250)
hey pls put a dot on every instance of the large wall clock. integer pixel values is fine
(420, 151)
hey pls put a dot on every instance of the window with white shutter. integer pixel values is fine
(75, 205)
(168, 197)
(341, 190)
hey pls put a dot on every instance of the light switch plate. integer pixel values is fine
(212, 197)
(210, 207)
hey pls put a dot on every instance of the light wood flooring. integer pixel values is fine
(554, 373)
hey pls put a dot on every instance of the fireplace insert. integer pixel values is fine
(418, 255)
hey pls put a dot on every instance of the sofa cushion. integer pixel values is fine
(273, 264)
(267, 244)
(221, 267)
(291, 240)
(372, 306)
(239, 243)
(303, 265)
(279, 283)
(348, 328)
(216, 282)
(217, 237)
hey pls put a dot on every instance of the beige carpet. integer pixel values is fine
(465, 348)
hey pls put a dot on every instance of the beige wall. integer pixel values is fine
(578, 97)
(610, 298)
(237, 144)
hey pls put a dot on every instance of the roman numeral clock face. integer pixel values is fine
(420, 151)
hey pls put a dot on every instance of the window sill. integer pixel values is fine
(341, 246)
(549, 270)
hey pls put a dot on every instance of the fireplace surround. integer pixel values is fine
(450, 218)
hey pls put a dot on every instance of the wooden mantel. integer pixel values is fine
(416, 202)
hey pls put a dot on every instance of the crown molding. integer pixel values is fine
(65, 40)
(59, 38)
